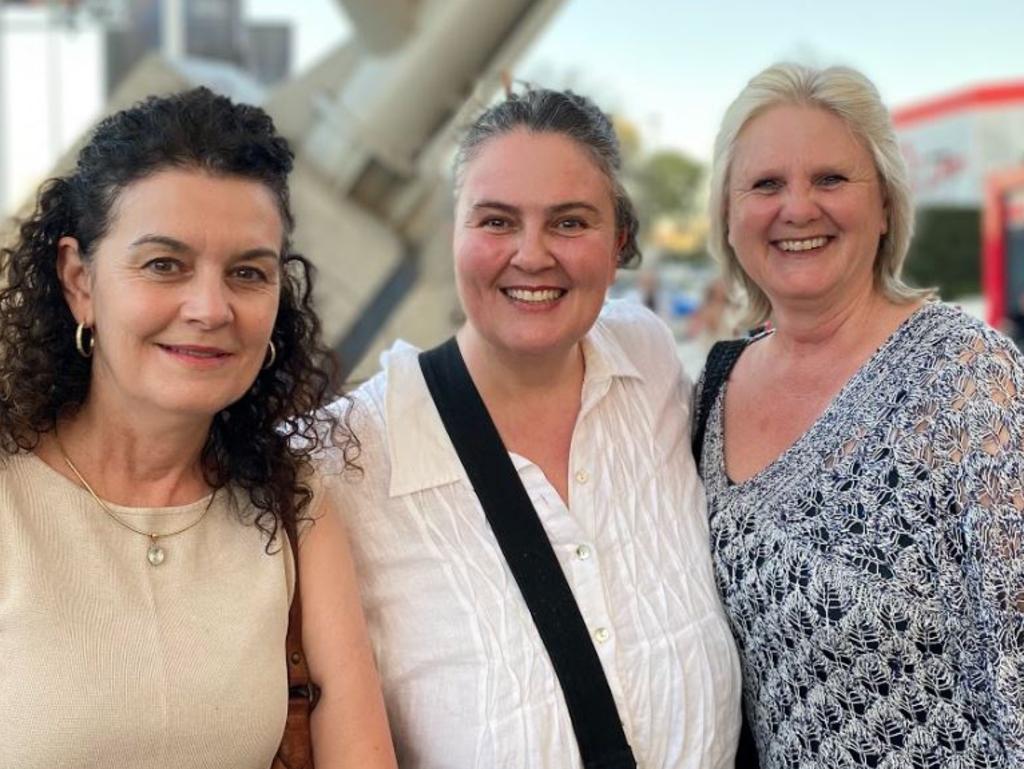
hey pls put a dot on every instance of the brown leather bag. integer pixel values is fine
(296, 750)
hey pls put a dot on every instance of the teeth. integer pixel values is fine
(527, 295)
(802, 245)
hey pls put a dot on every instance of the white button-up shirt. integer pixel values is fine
(466, 677)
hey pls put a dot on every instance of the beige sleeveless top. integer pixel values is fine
(107, 661)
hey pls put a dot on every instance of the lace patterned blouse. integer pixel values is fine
(874, 573)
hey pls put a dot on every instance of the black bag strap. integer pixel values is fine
(530, 558)
(721, 359)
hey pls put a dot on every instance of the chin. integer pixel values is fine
(541, 345)
(201, 406)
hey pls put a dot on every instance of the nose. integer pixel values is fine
(208, 302)
(800, 206)
(532, 252)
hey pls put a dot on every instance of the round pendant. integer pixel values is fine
(155, 555)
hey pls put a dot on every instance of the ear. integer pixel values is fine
(620, 243)
(76, 279)
(728, 228)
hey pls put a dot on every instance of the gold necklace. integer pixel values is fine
(155, 554)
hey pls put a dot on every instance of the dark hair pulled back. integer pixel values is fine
(541, 110)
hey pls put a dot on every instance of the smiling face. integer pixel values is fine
(182, 292)
(806, 211)
(535, 243)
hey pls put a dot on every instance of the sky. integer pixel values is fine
(672, 66)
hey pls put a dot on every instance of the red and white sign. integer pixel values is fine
(953, 143)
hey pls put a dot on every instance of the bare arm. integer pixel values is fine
(349, 725)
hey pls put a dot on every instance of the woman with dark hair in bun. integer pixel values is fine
(158, 350)
(529, 530)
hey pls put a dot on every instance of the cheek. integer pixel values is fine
(748, 223)
(261, 317)
(593, 259)
(476, 259)
(135, 313)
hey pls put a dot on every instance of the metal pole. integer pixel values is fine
(172, 29)
(53, 77)
(3, 111)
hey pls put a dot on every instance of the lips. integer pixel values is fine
(545, 295)
(198, 352)
(793, 245)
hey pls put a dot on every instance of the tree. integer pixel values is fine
(667, 184)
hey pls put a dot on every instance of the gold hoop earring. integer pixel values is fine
(84, 350)
(273, 355)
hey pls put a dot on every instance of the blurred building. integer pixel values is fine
(51, 89)
(955, 145)
(372, 126)
(61, 60)
(214, 30)
(954, 142)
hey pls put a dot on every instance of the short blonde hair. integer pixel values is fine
(849, 95)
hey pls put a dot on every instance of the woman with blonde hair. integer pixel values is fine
(863, 459)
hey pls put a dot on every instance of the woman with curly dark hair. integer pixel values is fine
(158, 350)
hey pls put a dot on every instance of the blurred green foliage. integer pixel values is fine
(945, 251)
(667, 184)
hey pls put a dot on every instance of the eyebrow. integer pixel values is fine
(555, 209)
(162, 240)
(179, 247)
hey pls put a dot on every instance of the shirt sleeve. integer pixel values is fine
(986, 450)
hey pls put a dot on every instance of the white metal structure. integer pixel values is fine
(372, 126)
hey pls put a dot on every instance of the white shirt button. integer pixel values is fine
(602, 634)
(582, 476)
(582, 552)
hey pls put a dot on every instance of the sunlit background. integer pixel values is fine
(372, 92)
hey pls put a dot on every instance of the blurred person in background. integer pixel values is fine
(864, 460)
(587, 411)
(157, 348)
(714, 319)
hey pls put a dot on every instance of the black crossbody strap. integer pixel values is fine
(530, 558)
(721, 359)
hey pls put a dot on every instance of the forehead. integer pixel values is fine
(789, 136)
(194, 203)
(523, 167)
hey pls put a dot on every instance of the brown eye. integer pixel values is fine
(495, 223)
(163, 266)
(250, 274)
(571, 224)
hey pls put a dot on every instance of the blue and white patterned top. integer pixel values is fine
(874, 573)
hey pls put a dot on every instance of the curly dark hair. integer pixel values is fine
(263, 443)
(542, 110)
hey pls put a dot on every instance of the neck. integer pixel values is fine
(133, 462)
(866, 318)
(818, 352)
(510, 378)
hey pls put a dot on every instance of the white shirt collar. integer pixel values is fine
(422, 456)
